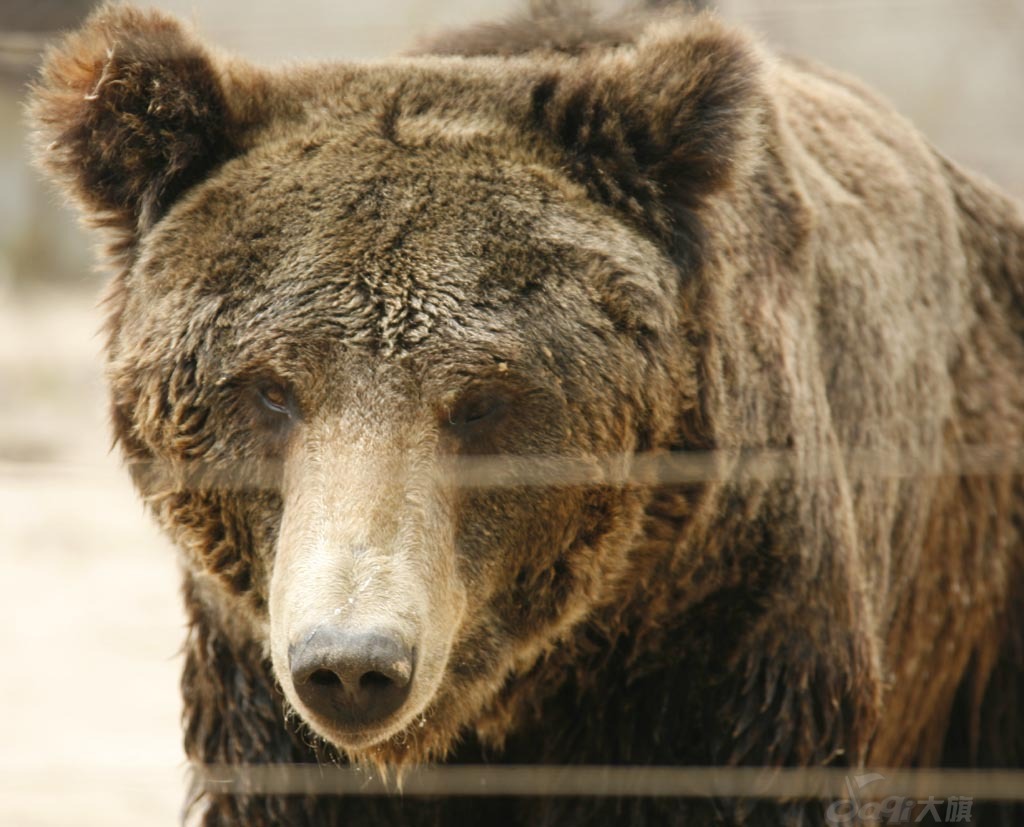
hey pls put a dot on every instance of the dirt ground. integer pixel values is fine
(90, 626)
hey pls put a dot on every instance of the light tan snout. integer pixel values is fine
(364, 596)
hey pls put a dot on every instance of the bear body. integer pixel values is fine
(565, 394)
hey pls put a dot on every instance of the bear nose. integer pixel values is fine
(353, 679)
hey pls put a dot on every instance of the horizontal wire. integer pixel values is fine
(21, 42)
(654, 468)
(615, 781)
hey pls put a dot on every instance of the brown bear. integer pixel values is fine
(566, 393)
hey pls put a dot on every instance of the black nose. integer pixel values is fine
(352, 679)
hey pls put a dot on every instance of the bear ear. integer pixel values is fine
(656, 127)
(129, 111)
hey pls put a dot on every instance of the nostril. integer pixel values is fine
(324, 677)
(375, 681)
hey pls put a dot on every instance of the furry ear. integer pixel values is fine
(130, 111)
(656, 127)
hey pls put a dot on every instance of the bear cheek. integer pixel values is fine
(569, 557)
(512, 549)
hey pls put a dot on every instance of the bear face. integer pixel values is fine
(348, 389)
(350, 366)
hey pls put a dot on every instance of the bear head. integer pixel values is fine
(385, 338)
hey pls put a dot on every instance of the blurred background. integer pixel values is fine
(90, 625)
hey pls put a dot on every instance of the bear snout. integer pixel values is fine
(351, 680)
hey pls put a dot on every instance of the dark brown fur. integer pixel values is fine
(640, 237)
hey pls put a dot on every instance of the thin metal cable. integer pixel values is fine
(613, 781)
(651, 468)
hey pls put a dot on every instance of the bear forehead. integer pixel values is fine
(344, 222)
(355, 203)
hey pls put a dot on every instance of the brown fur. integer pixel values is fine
(624, 237)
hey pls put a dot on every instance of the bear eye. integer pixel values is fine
(475, 410)
(276, 404)
(276, 398)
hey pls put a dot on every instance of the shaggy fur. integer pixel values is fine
(582, 240)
